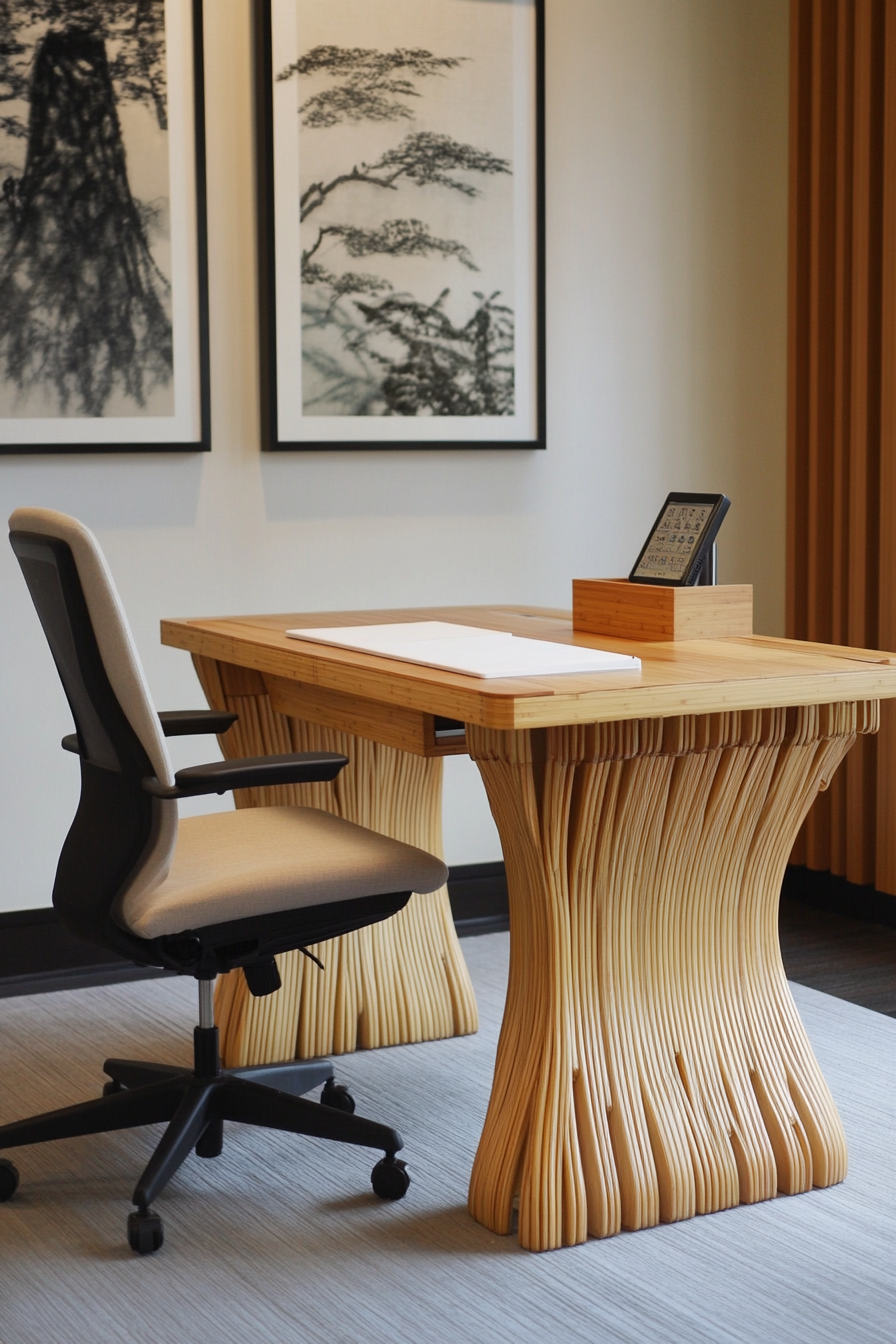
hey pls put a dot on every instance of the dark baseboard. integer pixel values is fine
(478, 895)
(38, 954)
(88, 977)
(827, 891)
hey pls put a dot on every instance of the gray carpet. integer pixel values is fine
(280, 1240)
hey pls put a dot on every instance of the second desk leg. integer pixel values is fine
(652, 1064)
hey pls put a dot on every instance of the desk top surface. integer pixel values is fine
(686, 677)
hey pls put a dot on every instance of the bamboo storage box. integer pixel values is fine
(648, 612)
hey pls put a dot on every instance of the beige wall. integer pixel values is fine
(666, 171)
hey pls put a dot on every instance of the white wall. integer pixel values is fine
(666, 171)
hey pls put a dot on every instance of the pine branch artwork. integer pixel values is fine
(370, 91)
(369, 348)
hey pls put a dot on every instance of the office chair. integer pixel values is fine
(198, 896)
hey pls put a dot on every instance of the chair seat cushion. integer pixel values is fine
(231, 865)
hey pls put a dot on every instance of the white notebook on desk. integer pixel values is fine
(469, 650)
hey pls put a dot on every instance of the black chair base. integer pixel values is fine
(195, 1103)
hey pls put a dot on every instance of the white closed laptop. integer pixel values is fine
(469, 649)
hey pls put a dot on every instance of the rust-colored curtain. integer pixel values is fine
(841, 547)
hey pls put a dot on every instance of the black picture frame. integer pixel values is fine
(697, 519)
(388, 430)
(179, 419)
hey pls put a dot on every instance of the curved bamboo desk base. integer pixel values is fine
(399, 981)
(652, 1064)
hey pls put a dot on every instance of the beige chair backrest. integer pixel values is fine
(123, 668)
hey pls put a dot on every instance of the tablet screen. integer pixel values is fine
(680, 539)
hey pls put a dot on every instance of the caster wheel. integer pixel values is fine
(145, 1232)
(390, 1179)
(110, 1088)
(339, 1097)
(9, 1180)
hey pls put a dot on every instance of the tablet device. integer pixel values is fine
(680, 540)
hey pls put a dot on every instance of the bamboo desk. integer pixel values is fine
(652, 1064)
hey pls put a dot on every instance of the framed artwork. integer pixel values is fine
(401, 153)
(103, 275)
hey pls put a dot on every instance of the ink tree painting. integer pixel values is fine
(85, 294)
(396, 319)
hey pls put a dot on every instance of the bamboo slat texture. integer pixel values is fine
(392, 983)
(651, 1063)
(841, 564)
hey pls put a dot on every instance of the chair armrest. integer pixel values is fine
(252, 772)
(184, 722)
(177, 723)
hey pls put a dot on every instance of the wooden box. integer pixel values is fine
(648, 612)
